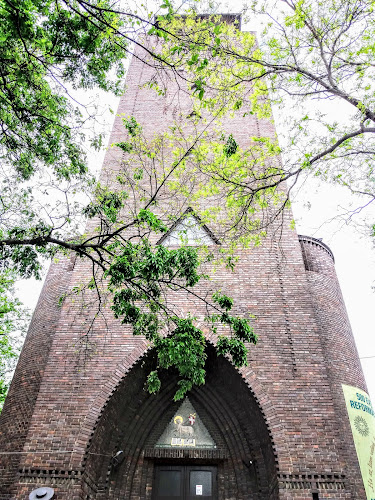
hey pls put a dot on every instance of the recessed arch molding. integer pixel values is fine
(133, 420)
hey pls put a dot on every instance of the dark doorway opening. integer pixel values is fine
(185, 482)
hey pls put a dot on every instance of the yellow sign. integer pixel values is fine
(362, 421)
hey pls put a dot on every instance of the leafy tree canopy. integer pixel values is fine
(44, 45)
(13, 322)
(310, 50)
(314, 65)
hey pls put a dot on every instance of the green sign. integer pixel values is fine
(362, 421)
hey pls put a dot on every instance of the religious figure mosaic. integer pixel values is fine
(186, 430)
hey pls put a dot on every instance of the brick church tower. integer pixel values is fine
(277, 429)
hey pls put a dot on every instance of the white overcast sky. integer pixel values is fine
(354, 254)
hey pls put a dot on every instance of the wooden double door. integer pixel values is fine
(185, 482)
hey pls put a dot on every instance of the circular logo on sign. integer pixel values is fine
(361, 426)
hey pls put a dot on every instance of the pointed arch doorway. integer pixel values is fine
(238, 463)
(186, 432)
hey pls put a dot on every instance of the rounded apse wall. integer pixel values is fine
(133, 421)
(336, 337)
(330, 313)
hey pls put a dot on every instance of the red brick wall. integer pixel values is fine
(285, 409)
(341, 356)
(21, 400)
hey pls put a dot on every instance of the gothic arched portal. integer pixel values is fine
(132, 422)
